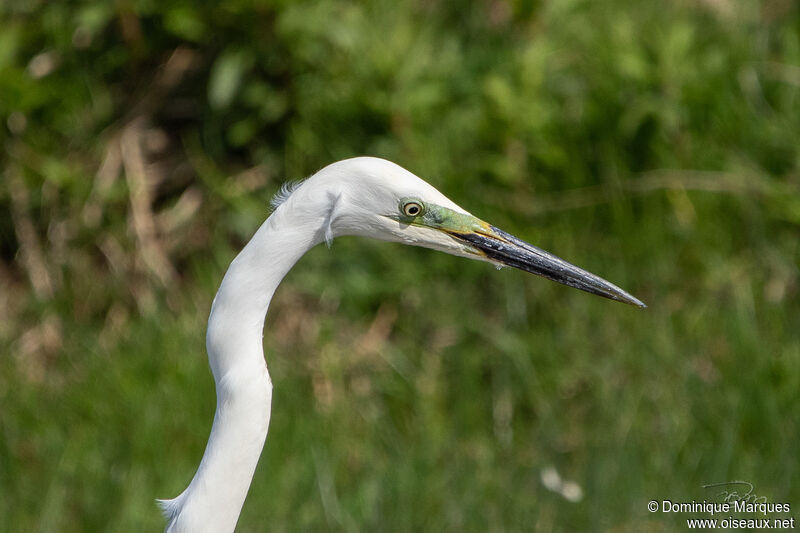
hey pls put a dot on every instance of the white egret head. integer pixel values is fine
(375, 198)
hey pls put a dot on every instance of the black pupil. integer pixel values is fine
(413, 210)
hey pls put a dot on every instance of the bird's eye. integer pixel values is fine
(412, 209)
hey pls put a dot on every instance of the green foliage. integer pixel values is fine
(655, 144)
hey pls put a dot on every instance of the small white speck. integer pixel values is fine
(42, 64)
(571, 491)
(550, 479)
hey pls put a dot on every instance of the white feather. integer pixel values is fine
(284, 193)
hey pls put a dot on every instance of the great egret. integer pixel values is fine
(363, 196)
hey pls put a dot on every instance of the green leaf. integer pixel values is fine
(226, 77)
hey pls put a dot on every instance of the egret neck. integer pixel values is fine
(214, 498)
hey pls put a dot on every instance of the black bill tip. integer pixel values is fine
(503, 248)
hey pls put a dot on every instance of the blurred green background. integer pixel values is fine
(654, 143)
